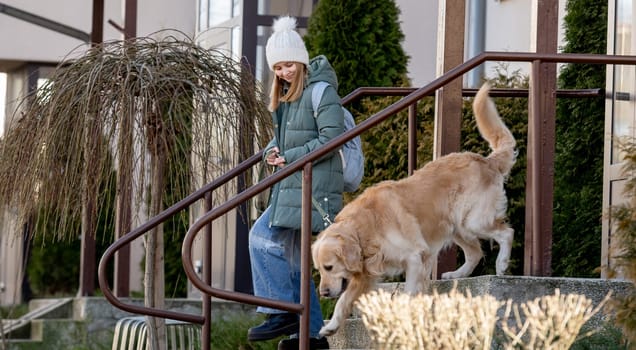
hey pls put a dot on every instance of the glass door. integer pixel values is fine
(620, 112)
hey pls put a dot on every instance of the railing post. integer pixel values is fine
(206, 303)
(448, 100)
(123, 214)
(540, 172)
(541, 136)
(305, 247)
(412, 139)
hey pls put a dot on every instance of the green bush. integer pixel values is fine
(13, 311)
(362, 40)
(53, 265)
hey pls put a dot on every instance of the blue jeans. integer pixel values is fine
(275, 261)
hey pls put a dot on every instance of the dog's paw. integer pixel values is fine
(329, 329)
(449, 275)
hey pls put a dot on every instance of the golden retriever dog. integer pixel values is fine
(397, 227)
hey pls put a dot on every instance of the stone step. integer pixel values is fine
(51, 334)
(93, 319)
(517, 288)
(353, 335)
(38, 309)
(51, 307)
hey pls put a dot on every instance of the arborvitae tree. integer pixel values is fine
(362, 40)
(578, 179)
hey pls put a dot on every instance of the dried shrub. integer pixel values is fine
(456, 321)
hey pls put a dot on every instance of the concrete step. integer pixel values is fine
(51, 308)
(58, 334)
(352, 336)
(38, 309)
(518, 288)
(51, 334)
(92, 320)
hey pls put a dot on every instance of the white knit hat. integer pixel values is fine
(285, 44)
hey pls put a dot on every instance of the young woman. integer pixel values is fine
(274, 241)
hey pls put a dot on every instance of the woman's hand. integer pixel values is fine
(273, 157)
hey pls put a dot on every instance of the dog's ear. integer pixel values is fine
(350, 253)
(375, 264)
(314, 250)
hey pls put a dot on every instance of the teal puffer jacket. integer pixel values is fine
(296, 133)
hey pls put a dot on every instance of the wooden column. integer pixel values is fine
(541, 136)
(90, 192)
(123, 218)
(448, 108)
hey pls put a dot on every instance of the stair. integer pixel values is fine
(77, 323)
(518, 288)
(352, 336)
(89, 322)
(38, 309)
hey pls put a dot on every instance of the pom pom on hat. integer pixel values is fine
(285, 44)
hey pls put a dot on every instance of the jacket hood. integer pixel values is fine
(321, 70)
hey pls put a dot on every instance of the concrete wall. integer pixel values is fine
(11, 270)
(11, 247)
(24, 42)
(21, 41)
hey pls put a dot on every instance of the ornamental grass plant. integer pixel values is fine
(459, 321)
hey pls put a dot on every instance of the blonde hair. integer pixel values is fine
(295, 89)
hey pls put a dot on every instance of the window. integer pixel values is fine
(297, 8)
(220, 11)
(624, 124)
(236, 42)
(214, 12)
(3, 93)
(203, 15)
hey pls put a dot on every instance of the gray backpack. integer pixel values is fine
(351, 152)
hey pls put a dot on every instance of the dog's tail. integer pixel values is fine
(492, 128)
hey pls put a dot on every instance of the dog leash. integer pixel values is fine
(316, 204)
(321, 211)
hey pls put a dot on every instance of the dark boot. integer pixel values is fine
(274, 326)
(314, 344)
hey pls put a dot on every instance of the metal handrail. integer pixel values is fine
(376, 119)
(155, 221)
(210, 187)
(412, 96)
(338, 141)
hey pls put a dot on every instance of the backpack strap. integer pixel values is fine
(316, 95)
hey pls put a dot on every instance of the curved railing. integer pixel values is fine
(412, 96)
(154, 222)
